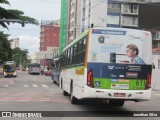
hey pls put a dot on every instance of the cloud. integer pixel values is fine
(30, 43)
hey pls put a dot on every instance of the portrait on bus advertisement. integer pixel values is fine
(119, 47)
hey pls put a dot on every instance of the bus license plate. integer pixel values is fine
(119, 94)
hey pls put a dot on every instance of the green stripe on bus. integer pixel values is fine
(131, 84)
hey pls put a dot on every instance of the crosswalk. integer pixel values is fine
(29, 85)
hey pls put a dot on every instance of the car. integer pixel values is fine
(23, 69)
(42, 71)
(47, 73)
(55, 75)
(18, 69)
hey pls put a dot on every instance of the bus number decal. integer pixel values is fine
(140, 83)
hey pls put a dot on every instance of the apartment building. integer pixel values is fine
(103, 13)
(49, 35)
(81, 14)
(14, 42)
(49, 42)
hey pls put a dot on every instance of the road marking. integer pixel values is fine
(34, 85)
(26, 86)
(156, 93)
(24, 100)
(5, 85)
(44, 86)
(4, 100)
(44, 99)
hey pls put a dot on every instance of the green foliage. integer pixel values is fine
(11, 16)
(20, 56)
(5, 50)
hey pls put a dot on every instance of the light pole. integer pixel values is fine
(44, 60)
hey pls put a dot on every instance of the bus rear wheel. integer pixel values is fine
(74, 100)
(65, 93)
(118, 103)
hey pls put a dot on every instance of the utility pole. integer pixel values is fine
(20, 61)
(45, 60)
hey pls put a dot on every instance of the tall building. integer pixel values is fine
(104, 13)
(83, 13)
(14, 42)
(49, 36)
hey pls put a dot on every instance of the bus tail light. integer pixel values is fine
(90, 82)
(148, 82)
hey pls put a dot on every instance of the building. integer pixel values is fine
(45, 58)
(49, 42)
(14, 42)
(49, 35)
(83, 13)
(105, 13)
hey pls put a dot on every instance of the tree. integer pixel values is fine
(20, 56)
(8, 16)
(5, 50)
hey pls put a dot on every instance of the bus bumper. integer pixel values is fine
(9, 74)
(133, 95)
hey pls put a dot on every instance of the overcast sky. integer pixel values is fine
(38, 9)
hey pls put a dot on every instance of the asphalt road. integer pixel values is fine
(37, 93)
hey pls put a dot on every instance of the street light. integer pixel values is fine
(14, 20)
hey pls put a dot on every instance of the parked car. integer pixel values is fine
(47, 73)
(23, 69)
(42, 71)
(55, 76)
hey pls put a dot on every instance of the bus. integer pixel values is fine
(56, 71)
(9, 69)
(34, 68)
(112, 64)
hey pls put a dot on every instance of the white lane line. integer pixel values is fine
(4, 100)
(26, 85)
(44, 86)
(5, 85)
(34, 85)
(44, 99)
(23, 100)
(156, 94)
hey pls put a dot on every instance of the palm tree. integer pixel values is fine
(8, 16)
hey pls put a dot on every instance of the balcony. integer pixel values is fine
(129, 22)
(130, 12)
(134, 1)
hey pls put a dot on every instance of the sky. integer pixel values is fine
(29, 36)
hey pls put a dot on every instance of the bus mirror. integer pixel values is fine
(112, 57)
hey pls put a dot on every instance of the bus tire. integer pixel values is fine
(117, 103)
(74, 100)
(65, 93)
(54, 81)
(61, 84)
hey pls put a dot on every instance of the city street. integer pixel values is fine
(38, 93)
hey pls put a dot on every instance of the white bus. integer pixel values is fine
(111, 64)
(34, 68)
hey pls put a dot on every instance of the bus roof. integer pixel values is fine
(107, 28)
